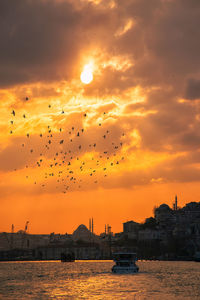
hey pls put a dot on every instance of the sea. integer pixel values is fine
(94, 280)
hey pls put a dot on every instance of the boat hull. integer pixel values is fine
(125, 270)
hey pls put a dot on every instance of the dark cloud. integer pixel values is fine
(163, 42)
(192, 89)
(43, 40)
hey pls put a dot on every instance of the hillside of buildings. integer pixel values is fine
(172, 234)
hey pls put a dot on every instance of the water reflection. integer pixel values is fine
(94, 280)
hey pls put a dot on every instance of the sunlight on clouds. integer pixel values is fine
(129, 24)
(135, 138)
(118, 63)
(108, 3)
(157, 180)
(135, 94)
(146, 160)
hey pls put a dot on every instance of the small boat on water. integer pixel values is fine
(197, 257)
(70, 257)
(125, 263)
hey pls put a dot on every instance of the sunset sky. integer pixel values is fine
(115, 146)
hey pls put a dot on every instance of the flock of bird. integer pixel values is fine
(66, 159)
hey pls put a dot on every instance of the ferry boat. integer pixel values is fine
(125, 263)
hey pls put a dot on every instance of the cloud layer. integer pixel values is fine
(144, 96)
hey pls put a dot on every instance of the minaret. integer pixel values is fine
(105, 228)
(108, 229)
(176, 206)
(92, 226)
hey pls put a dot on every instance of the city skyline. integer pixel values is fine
(99, 111)
(90, 224)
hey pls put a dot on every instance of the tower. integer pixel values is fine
(92, 226)
(176, 206)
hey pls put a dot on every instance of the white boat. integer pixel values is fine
(125, 263)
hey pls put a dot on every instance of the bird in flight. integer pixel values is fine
(61, 153)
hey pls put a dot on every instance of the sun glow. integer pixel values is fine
(87, 74)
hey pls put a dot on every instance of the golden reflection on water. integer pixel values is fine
(94, 280)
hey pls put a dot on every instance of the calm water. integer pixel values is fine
(94, 280)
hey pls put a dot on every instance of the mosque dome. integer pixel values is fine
(163, 208)
(81, 227)
(81, 233)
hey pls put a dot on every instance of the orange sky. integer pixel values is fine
(111, 149)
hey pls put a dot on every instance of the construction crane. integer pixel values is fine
(12, 236)
(24, 232)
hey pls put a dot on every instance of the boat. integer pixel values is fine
(70, 257)
(197, 256)
(125, 263)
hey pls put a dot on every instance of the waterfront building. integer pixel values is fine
(130, 229)
(149, 235)
(55, 252)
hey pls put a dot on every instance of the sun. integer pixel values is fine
(87, 74)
